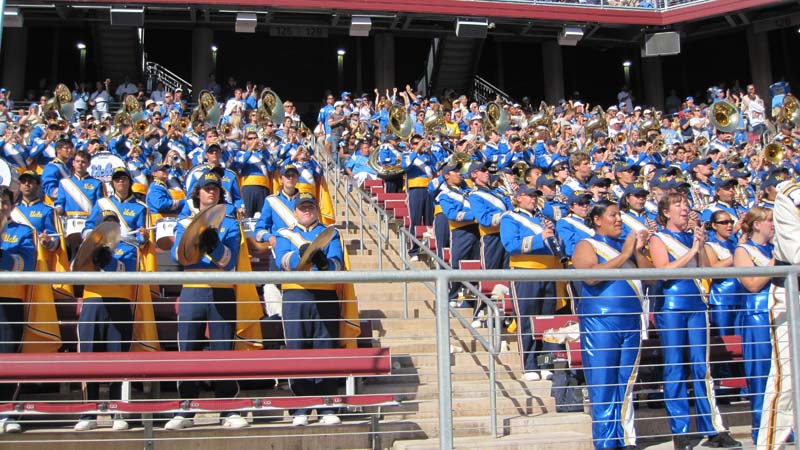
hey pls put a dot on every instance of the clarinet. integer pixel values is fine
(552, 242)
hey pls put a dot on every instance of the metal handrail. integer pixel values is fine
(483, 91)
(164, 75)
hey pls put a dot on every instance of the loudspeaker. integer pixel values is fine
(658, 44)
(12, 17)
(472, 28)
(246, 23)
(360, 26)
(570, 36)
(127, 17)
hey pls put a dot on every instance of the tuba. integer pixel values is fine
(496, 119)
(790, 110)
(384, 172)
(63, 101)
(270, 107)
(462, 159)
(207, 109)
(543, 118)
(434, 121)
(773, 153)
(724, 116)
(596, 123)
(400, 123)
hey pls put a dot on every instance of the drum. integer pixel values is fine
(103, 165)
(165, 233)
(73, 228)
(256, 249)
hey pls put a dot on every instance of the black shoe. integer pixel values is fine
(681, 442)
(722, 440)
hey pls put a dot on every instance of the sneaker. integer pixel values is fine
(453, 303)
(85, 425)
(119, 425)
(300, 421)
(546, 374)
(532, 376)
(235, 421)
(7, 426)
(414, 258)
(330, 419)
(722, 440)
(681, 442)
(179, 423)
(477, 323)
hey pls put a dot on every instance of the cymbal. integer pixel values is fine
(319, 243)
(189, 246)
(105, 234)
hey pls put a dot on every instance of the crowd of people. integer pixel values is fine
(516, 186)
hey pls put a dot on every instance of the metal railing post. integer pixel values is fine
(793, 315)
(443, 362)
(379, 235)
(492, 372)
(404, 258)
(361, 225)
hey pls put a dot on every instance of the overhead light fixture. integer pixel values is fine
(127, 17)
(626, 64)
(360, 26)
(471, 27)
(12, 18)
(570, 36)
(340, 52)
(81, 46)
(214, 48)
(246, 23)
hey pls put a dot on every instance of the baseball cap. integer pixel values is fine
(338, 104)
(598, 134)
(622, 167)
(305, 197)
(599, 181)
(546, 180)
(390, 137)
(578, 197)
(524, 189)
(289, 168)
(30, 174)
(345, 94)
(450, 168)
(699, 162)
(474, 167)
(634, 189)
(119, 172)
(722, 182)
(209, 178)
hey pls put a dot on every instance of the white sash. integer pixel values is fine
(283, 211)
(62, 168)
(20, 217)
(11, 150)
(307, 177)
(719, 250)
(758, 258)
(76, 194)
(107, 205)
(527, 223)
(632, 223)
(608, 253)
(496, 202)
(677, 250)
(579, 225)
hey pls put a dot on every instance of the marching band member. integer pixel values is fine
(610, 323)
(682, 321)
(724, 300)
(632, 210)
(525, 239)
(757, 225)
(420, 166)
(278, 210)
(702, 183)
(464, 235)
(441, 226)
(769, 192)
(571, 229)
(581, 168)
(17, 254)
(554, 206)
(725, 200)
(357, 167)
(57, 169)
(488, 205)
(33, 212)
(390, 156)
(777, 417)
(255, 166)
(204, 305)
(311, 313)
(131, 212)
(160, 200)
(228, 177)
(77, 194)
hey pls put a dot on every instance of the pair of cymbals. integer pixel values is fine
(189, 246)
(105, 234)
(320, 242)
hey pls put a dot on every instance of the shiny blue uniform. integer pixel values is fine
(610, 323)
(570, 231)
(441, 228)
(488, 206)
(756, 335)
(310, 312)
(41, 217)
(420, 168)
(51, 174)
(725, 295)
(683, 324)
(464, 236)
(229, 185)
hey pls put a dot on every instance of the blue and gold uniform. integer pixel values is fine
(277, 213)
(51, 174)
(310, 313)
(488, 206)
(756, 334)
(572, 229)
(132, 214)
(464, 234)
(441, 228)
(161, 201)
(610, 324)
(389, 156)
(38, 216)
(521, 234)
(78, 194)
(683, 324)
(255, 169)
(230, 184)
(420, 169)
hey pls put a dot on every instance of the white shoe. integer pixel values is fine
(179, 423)
(546, 374)
(300, 421)
(414, 258)
(119, 425)
(7, 426)
(477, 323)
(235, 421)
(453, 303)
(85, 425)
(330, 419)
(532, 376)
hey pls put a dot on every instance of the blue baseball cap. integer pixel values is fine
(598, 181)
(120, 171)
(209, 178)
(289, 168)
(722, 182)
(390, 137)
(524, 189)
(450, 168)
(699, 162)
(305, 197)
(578, 197)
(598, 134)
(345, 94)
(546, 180)
(634, 189)
(623, 167)
(434, 100)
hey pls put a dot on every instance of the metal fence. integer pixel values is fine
(443, 338)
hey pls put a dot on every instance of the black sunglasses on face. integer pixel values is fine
(724, 222)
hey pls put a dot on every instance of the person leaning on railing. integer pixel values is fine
(754, 319)
(610, 322)
(683, 322)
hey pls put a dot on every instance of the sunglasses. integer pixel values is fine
(251, 138)
(724, 222)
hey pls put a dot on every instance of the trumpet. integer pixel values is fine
(740, 195)
(787, 140)
(103, 129)
(226, 128)
(183, 124)
(621, 138)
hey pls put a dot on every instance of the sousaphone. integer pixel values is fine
(189, 246)
(105, 234)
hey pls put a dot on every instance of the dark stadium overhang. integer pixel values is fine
(603, 26)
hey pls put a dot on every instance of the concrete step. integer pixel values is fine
(462, 389)
(540, 441)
